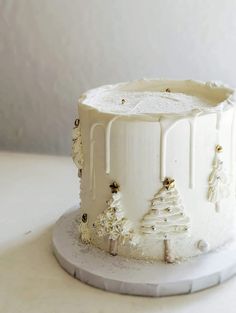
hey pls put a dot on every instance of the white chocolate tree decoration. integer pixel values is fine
(111, 223)
(218, 181)
(77, 148)
(84, 231)
(166, 219)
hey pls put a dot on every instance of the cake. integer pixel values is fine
(156, 161)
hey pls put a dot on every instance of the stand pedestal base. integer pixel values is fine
(136, 277)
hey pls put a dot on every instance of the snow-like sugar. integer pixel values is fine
(136, 102)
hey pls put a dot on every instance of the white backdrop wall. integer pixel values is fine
(52, 50)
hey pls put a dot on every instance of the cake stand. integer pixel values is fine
(136, 277)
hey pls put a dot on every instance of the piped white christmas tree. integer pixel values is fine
(166, 219)
(218, 181)
(77, 148)
(112, 223)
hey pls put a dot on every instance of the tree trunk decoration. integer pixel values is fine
(167, 252)
(166, 219)
(113, 247)
(84, 231)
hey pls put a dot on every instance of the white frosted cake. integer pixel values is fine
(156, 160)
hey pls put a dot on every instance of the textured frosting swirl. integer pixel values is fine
(159, 97)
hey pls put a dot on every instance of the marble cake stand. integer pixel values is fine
(117, 274)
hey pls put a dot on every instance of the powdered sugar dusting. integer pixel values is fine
(158, 97)
(148, 102)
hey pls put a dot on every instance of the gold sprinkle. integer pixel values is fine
(76, 123)
(84, 217)
(123, 101)
(168, 90)
(219, 148)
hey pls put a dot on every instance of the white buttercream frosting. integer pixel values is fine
(157, 97)
(151, 135)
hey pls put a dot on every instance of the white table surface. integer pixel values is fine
(34, 191)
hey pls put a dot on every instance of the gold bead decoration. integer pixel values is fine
(169, 183)
(76, 123)
(84, 217)
(219, 148)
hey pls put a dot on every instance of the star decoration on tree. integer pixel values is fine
(169, 183)
(114, 187)
(219, 148)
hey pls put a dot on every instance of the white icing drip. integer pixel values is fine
(192, 125)
(166, 218)
(166, 125)
(94, 185)
(218, 125)
(92, 175)
(192, 153)
(108, 138)
(91, 164)
(218, 183)
(108, 144)
(218, 119)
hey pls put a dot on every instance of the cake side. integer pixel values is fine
(138, 152)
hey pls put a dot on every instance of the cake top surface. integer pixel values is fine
(158, 97)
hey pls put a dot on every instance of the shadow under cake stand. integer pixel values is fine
(136, 277)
